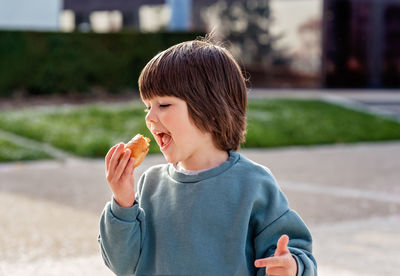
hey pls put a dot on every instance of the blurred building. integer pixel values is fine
(361, 43)
(82, 10)
(184, 14)
(84, 14)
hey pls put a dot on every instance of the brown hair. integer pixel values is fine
(209, 79)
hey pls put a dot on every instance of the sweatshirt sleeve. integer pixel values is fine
(121, 237)
(274, 218)
(300, 242)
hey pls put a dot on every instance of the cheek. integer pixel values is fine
(168, 120)
(178, 124)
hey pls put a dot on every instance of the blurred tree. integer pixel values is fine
(246, 25)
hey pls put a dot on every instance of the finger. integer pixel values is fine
(122, 164)
(269, 262)
(129, 168)
(282, 246)
(115, 158)
(109, 154)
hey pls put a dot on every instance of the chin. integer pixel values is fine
(170, 158)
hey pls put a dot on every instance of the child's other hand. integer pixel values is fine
(282, 263)
(119, 174)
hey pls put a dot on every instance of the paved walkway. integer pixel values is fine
(349, 195)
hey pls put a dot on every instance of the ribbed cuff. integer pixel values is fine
(300, 265)
(127, 214)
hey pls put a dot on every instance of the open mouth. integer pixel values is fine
(163, 140)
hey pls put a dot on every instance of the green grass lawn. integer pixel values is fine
(274, 123)
(91, 130)
(87, 131)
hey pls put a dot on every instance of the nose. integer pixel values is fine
(151, 116)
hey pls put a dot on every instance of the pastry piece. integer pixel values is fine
(139, 147)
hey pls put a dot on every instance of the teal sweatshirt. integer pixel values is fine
(217, 222)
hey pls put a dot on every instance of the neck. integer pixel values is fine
(205, 161)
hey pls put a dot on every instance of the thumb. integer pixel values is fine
(282, 246)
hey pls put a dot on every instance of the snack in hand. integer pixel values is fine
(139, 147)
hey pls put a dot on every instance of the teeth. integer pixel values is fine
(159, 133)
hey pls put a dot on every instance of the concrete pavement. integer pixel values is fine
(349, 195)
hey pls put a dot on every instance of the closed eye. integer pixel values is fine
(147, 109)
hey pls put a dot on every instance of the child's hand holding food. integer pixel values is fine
(121, 160)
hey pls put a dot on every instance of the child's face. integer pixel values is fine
(179, 139)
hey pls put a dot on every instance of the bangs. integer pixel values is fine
(167, 74)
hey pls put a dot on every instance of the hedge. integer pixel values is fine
(52, 62)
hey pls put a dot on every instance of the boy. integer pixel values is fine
(209, 211)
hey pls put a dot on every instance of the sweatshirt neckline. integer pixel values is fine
(184, 178)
